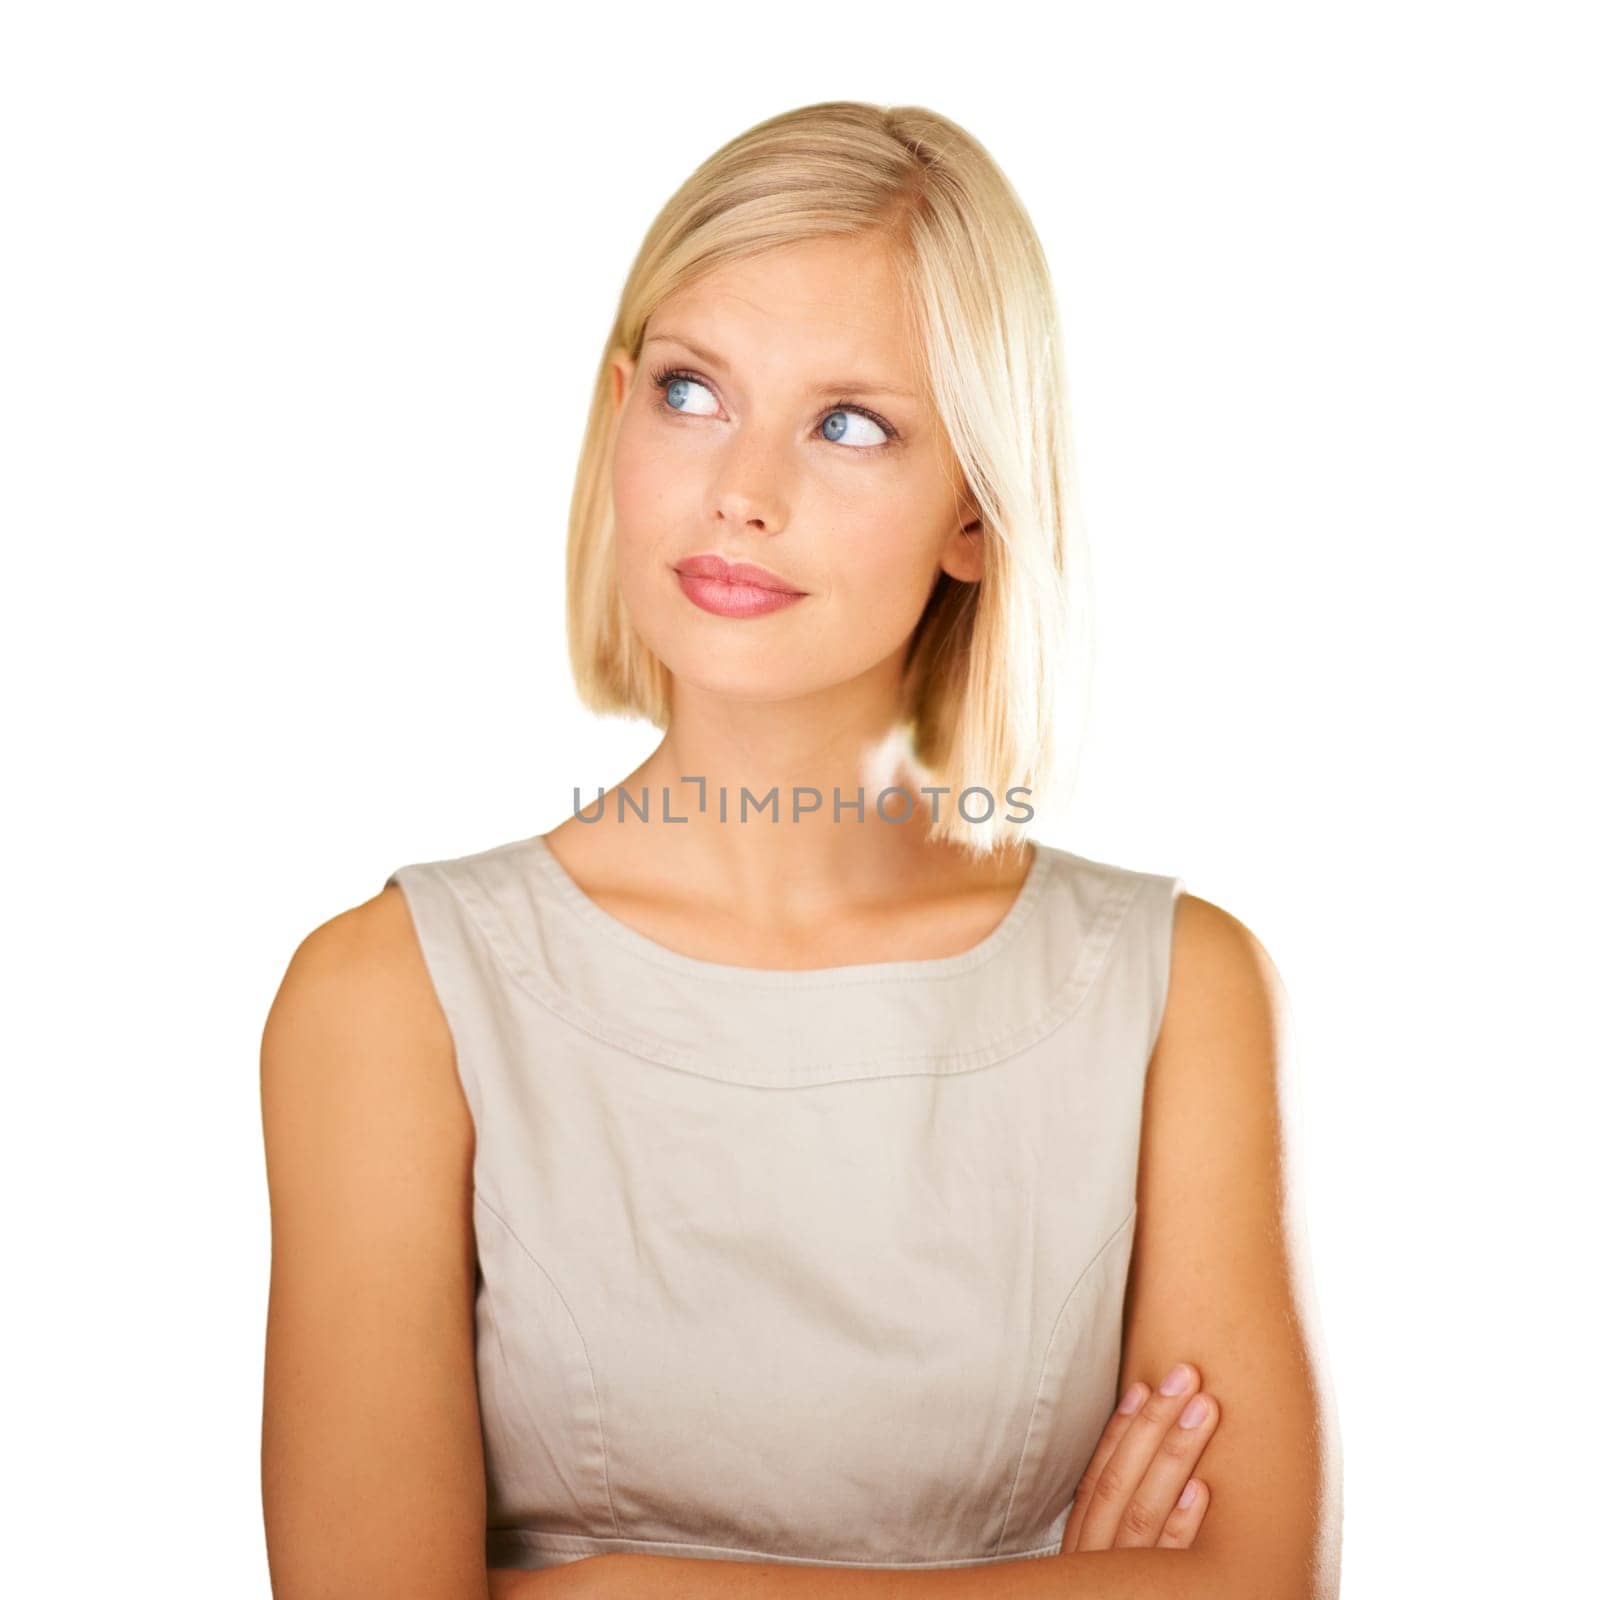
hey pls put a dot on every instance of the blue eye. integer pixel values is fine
(676, 392)
(836, 421)
(677, 389)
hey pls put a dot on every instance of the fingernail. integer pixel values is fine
(1186, 1499)
(1193, 1414)
(1130, 1401)
(1176, 1381)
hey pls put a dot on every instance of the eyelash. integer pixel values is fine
(660, 377)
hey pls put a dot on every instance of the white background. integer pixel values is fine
(302, 307)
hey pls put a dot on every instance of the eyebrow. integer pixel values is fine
(833, 387)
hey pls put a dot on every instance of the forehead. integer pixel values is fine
(820, 303)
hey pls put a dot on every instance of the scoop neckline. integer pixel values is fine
(930, 967)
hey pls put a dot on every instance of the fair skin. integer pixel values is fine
(864, 524)
(373, 1479)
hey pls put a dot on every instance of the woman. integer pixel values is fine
(784, 1163)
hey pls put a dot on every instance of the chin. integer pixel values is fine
(761, 680)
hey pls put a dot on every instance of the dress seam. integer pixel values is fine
(1107, 923)
(582, 1542)
(588, 1360)
(1044, 1365)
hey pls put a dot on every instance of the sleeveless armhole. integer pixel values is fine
(1164, 894)
(436, 919)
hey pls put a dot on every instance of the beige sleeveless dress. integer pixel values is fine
(821, 1266)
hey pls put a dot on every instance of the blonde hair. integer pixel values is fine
(982, 688)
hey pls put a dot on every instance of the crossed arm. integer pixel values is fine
(369, 1148)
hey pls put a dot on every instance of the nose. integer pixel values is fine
(746, 489)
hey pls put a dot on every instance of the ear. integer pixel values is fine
(622, 368)
(963, 556)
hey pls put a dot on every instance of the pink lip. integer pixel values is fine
(734, 588)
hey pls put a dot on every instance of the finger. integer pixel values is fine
(1184, 1523)
(1121, 1420)
(1124, 1471)
(1176, 1457)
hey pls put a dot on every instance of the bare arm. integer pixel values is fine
(371, 1456)
(1220, 1273)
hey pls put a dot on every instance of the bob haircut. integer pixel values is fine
(986, 666)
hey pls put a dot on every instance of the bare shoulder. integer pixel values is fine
(1218, 962)
(368, 953)
(371, 1455)
(1217, 1078)
(356, 1003)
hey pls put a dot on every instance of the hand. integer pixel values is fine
(1128, 1496)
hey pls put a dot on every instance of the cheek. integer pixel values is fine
(882, 557)
(640, 483)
